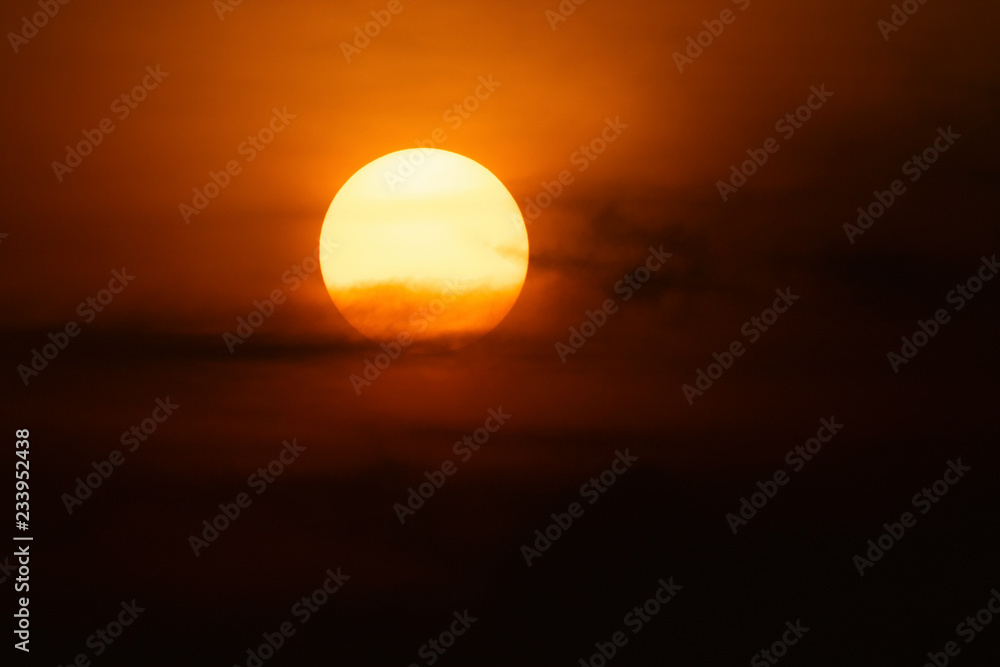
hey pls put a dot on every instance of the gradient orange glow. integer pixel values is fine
(426, 243)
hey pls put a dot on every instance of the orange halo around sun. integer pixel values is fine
(424, 245)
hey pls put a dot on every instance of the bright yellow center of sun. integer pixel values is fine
(424, 245)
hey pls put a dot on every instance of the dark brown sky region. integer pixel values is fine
(743, 411)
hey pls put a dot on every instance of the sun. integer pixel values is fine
(424, 245)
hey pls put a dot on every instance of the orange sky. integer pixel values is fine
(605, 75)
(554, 89)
